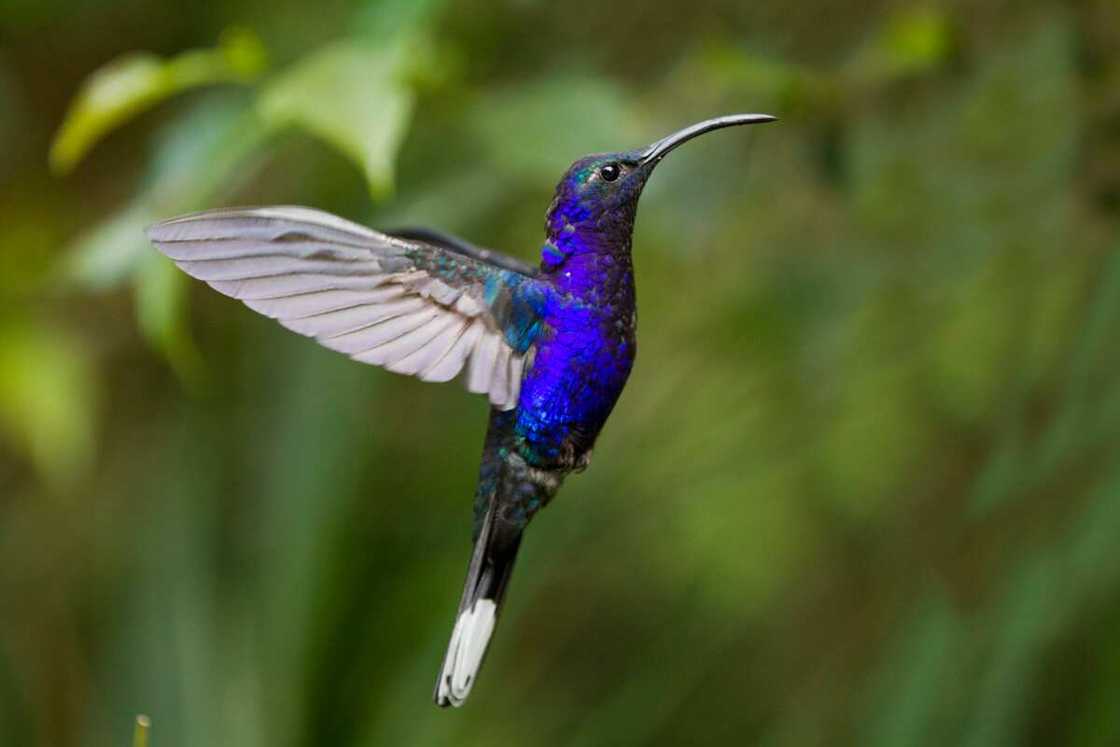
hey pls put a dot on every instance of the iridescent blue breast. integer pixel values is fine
(582, 360)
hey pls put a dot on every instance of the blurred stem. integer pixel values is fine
(140, 733)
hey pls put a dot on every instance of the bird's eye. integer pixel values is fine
(610, 172)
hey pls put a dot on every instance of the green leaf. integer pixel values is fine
(221, 134)
(161, 311)
(224, 135)
(354, 97)
(46, 400)
(109, 253)
(136, 82)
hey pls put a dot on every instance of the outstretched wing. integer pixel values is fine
(412, 307)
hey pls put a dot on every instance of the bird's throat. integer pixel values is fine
(588, 268)
(568, 241)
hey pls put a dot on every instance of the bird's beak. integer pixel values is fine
(657, 151)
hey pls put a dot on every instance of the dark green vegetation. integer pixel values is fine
(863, 487)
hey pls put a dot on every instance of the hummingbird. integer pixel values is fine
(551, 346)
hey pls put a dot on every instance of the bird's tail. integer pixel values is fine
(487, 579)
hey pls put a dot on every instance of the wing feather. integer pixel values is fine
(449, 330)
(315, 303)
(367, 339)
(394, 352)
(480, 375)
(448, 367)
(414, 307)
(282, 286)
(331, 325)
(499, 378)
(271, 265)
(214, 249)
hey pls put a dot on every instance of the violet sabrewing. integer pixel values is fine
(551, 346)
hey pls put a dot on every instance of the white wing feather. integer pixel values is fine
(350, 288)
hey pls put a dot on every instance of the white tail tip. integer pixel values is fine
(464, 654)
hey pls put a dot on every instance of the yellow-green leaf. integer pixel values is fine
(136, 82)
(46, 399)
(354, 97)
(222, 136)
(110, 251)
(161, 311)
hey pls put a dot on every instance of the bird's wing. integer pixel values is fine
(412, 307)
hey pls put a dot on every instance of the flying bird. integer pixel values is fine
(551, 346)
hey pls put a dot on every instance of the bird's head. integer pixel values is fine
(597, 198)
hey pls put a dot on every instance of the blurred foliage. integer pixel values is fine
(354, 97)
(863, 488)
(129, 85)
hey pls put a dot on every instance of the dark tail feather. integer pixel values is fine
(487, 579)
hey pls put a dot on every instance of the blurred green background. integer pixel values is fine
(863, 488)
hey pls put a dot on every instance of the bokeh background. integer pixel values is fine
(863, 488)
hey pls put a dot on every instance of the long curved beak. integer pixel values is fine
(657, 151)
